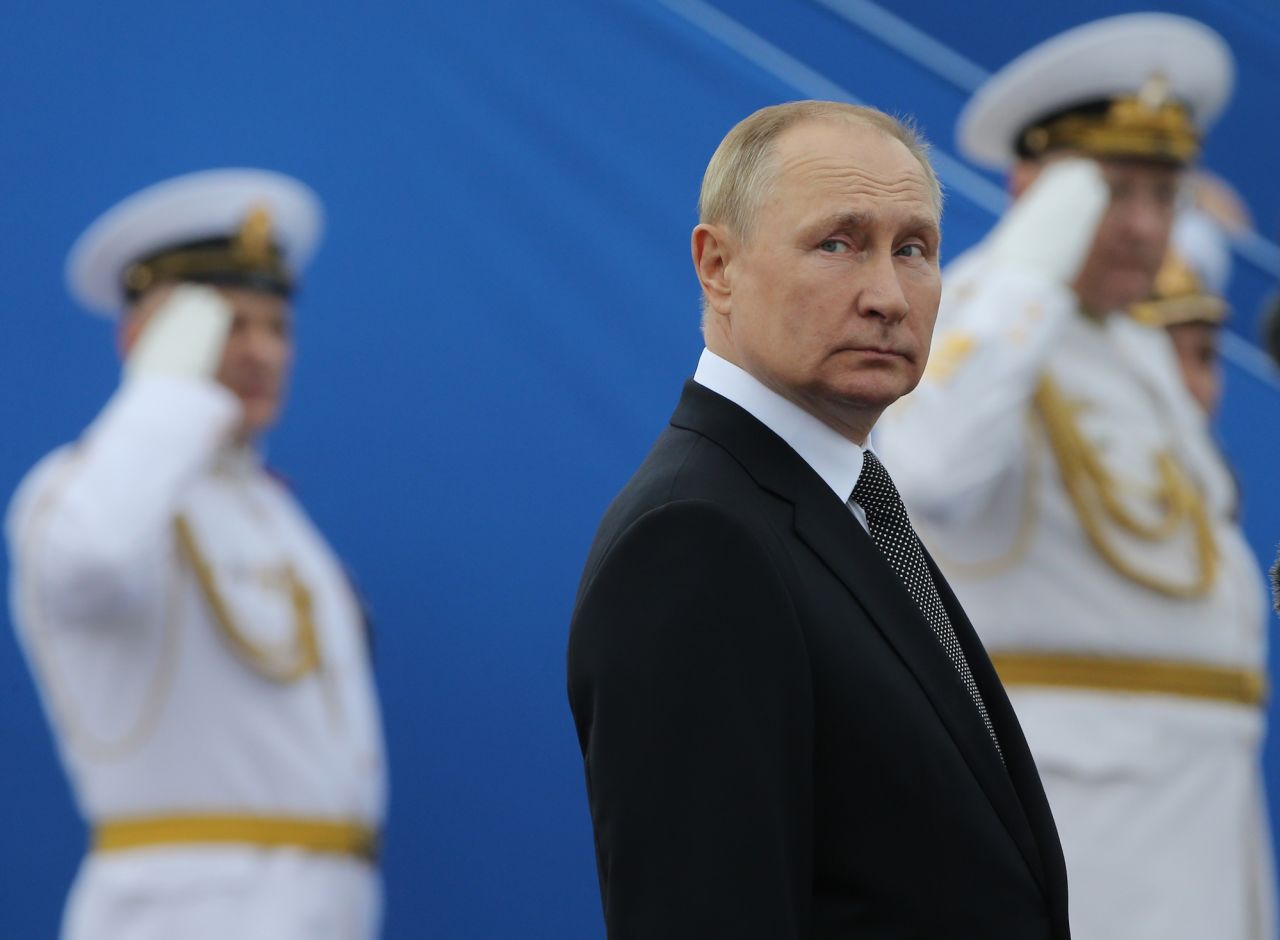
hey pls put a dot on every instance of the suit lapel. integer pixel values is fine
(830, 530)
(835, 536)
(1021, 765)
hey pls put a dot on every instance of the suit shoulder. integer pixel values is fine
(688, 488)
(683, 465)
(693, 552)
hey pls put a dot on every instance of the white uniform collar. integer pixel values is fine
(236, 460)
(832, 456)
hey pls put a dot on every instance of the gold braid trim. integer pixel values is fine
(42, 634)
(1094, 495)
(327, 836)
(1234, 684)
(1149, 124)
(287, 663)
(1028, 519)
(251, 251)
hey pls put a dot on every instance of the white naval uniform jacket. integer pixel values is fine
(155, 713)
(1158, 797)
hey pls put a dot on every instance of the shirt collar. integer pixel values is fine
(236, 460)
(832, 456)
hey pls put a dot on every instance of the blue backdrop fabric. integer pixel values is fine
(495, 329)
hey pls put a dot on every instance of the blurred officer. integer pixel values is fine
(1064, 478)
(1269, 326)
(1187, 300)
(198, 649)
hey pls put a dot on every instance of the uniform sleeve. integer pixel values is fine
(963, 431)
(690, 690)
(85, 530)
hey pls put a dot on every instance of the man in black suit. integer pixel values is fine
(1275, 583)
(790, 730)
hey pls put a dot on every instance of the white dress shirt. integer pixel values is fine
(832, 456)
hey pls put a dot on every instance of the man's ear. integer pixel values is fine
(712, 248)
(127, 330)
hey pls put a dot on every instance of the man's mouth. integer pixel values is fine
(256, 391)
(882, 351)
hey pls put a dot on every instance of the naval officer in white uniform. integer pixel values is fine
(198, 649)
(1065, 480)
(1189, 302)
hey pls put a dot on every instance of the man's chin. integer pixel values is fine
(862, 398)
(259, 416)
(877, 385)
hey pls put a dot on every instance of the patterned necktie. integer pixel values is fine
(891, 531)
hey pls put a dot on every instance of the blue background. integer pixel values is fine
(495, 329)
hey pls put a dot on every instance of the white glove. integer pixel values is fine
(185, 337)
(1049, 229)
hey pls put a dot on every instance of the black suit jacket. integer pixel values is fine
(776, 744)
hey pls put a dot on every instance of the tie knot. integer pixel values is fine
(875, 491)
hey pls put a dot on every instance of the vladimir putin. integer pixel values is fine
(789, 727)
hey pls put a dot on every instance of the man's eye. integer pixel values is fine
(832, 246)
(908, 249)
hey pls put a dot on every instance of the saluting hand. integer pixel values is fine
(185, 337)
(1049, 229)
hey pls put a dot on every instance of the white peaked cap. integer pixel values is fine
(1097, 61)
(203, 205)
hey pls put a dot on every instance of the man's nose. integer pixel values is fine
(261, 344)
(880, 293)
(1148, 218)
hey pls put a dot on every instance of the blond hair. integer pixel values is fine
(741, 171)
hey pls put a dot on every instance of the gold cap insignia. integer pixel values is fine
(1178, 297)
(1149, 124)
(250, 257)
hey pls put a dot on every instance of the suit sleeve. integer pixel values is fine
(690, 690)
(87, 530)
(962, 433)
